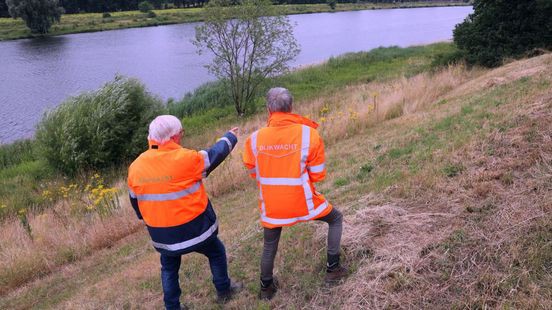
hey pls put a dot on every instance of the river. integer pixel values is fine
(38, 74)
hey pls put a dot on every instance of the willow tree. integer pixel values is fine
(250, 42)
(39, 15)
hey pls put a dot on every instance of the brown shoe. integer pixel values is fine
(336, 274)
(268, 292)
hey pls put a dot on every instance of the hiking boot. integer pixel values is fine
(235, 287)
(335, 274)
(268, 291)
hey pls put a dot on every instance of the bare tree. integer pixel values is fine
(249, 41)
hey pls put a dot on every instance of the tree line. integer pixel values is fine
(100, 6)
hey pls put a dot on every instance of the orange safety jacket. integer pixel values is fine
(286, 158)
(167, 192)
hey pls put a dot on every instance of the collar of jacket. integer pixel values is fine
(283, 119)
(153, 145)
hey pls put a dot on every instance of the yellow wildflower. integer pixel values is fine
(322, 119)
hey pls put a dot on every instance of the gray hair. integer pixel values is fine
(163, 127)
(279, 99)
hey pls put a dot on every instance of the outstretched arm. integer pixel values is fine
(216, 154)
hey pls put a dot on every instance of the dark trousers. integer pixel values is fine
(215, 252)
(272, 238)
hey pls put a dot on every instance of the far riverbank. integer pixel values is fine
(12, 29)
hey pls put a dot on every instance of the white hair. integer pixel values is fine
(279, 99)
(163, 127)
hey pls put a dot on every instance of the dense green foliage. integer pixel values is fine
(207, 96)
(87, 22)
(3, 9)
(100, 129)
(208, 106)
(145, 6)
(504, 28)
(99, 6)
(17, 152)
(39, 15)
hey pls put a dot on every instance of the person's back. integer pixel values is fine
(286, 158)
(166, 191)
(285, 153)
(170, 172)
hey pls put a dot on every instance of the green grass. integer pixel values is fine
(423, 149)
(209, 105)
(23, 177)
(412, 148)
(11, 29)
(17, 152)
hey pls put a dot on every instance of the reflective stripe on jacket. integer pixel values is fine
(167, 192)
(286, 158)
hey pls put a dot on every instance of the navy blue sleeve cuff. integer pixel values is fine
(233, 139)
(134, 204)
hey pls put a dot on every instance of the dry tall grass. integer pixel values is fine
(61, 238)
(481, 240)
(58, 237)
(347, 113)
(399, 247)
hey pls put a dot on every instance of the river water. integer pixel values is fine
(38, 74)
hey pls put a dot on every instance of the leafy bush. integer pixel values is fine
(17, 153)
(151, 14)
(145, 6)
(106, 15)
(99, 129)
(504, 28)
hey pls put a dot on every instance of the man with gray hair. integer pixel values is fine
(167, 192)
(287, 158)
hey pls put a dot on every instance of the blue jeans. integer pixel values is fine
(170, 265)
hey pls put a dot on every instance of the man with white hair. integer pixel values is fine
(167, 192)
(287, 158)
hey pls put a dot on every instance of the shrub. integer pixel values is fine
(207, 96)
(99, 129)
(151, 14)
(106, 15)
(505, 28)
(145, 6)
(17, 153)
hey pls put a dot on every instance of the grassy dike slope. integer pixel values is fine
(11, 29)
(445, 181)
